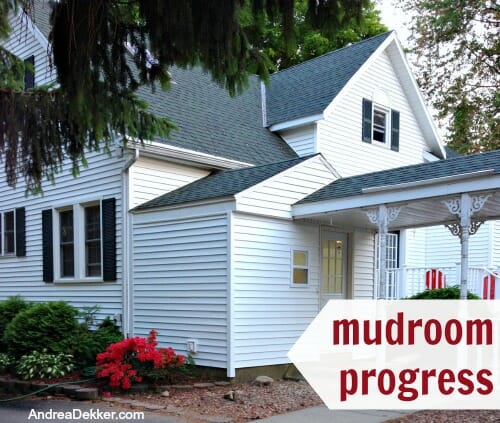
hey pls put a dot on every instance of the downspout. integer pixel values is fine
(127, 300)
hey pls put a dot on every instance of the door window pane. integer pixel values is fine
(332, 267)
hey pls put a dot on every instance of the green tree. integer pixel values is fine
(456, 48)
(97, 76)
(309, 41)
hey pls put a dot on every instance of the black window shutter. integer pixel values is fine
(109, 239)
(394, 130)
(29, 75)
(367, 120)
(20, 232)
(47, 246)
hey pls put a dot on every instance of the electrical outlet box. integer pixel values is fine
(192, 346)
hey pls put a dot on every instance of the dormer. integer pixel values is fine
(359, 106)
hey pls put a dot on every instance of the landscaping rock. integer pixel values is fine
(263, 380)
(181, 387)
(229, 395)
(9, 385)
(141, 387)
(146, 405)
(165, 394)
(70, 390)
(37, 386)
(86, 394)
(222, 383)
(203, 385)
(236, 396)
(23, 387)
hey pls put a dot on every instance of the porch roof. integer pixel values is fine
(420, 190)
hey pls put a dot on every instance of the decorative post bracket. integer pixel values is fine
(464, 207)
(454, 206)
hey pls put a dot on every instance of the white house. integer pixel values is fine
(229, 236)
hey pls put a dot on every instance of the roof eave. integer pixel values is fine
(471, 182)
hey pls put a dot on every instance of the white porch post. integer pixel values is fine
(381, 216)
(465, 207)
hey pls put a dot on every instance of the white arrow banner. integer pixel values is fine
(407, 354)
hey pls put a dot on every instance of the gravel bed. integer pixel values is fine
(250, 401)
(450, 416)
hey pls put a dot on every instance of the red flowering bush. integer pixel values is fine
(133, 359)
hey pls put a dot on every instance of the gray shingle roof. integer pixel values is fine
(210, 121)
(308, 88)
(354, 185)
(41, 18)
(221, 184)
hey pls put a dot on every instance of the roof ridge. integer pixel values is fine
(328, 53)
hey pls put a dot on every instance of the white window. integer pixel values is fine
(380, 125)
(77, 232)
(300, 267)
(7, 233)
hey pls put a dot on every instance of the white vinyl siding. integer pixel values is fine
(339, 134)
(275, 196)
(23, 44)
(268, 314)
(495, 242)
(150, 178)
(23, 275)
(414, 247)
(180, 282)
(443, 249)
(363, 264)
(302, 140)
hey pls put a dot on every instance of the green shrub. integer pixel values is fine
(8, 310)
(87, 344)
(450, 293)
(6, 363)
(44, 365)
(48, 326)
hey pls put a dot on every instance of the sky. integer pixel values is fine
(394, 18)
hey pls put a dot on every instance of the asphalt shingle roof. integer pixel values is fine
(354, 185)
(210, 121)
(221, 184)
(309, 87)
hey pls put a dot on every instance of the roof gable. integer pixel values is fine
(221, 184)
(308, 88)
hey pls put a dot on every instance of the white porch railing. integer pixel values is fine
(407, 281)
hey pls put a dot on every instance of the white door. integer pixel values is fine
(333, 266)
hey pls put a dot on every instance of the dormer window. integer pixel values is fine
(380, 125)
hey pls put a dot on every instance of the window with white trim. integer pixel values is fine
(8, 233)
(380, 125)
(300, 267)
(77, 232)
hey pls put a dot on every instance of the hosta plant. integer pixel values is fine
(42, 365)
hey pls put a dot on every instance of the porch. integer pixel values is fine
(410, 280)
(460, 193)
